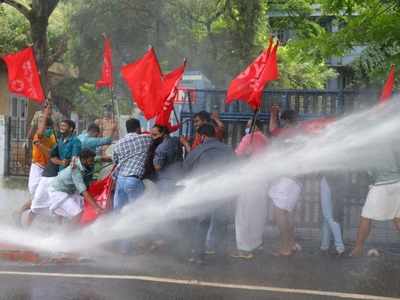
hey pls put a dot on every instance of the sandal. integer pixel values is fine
(242, 254)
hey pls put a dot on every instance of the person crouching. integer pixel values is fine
(68, 189)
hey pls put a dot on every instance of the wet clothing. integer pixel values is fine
(48, 141)
(207, 156)
(130, 154)
(66, 149)
(70, 180)
(93, 143)
(219, 134)
(251, 205)
(387, 170)
(332, 189)
(168, 155)
(383, 202)
(252, 143)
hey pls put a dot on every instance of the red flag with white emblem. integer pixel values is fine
(243, 86)
(169, 93)
(23, 75)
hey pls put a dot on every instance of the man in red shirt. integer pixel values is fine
(200, 119)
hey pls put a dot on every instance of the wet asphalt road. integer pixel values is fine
(368, 276)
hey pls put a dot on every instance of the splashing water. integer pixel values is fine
(355, 142)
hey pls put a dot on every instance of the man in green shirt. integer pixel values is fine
(68, 189)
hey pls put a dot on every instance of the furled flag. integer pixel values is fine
(169, 93)
(388, 87)
(144, 79)
(107, 68)
(23, 75)
(243, 86)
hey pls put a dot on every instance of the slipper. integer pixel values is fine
(242, 254)
(297, 247)
(280, 254)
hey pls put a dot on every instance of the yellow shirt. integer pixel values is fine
(39, 156)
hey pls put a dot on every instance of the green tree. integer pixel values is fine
(37, 14)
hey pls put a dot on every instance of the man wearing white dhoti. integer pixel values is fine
(383, 199)
(68, 189)
(251, 206)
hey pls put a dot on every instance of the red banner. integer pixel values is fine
(247, 82)
(144, 79)
(107, 69)
(23, 75)
(169, 94)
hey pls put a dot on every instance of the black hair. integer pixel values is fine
(132, 125)
(162, 129)
(289, 115)
(70, 123)
(203, 115)
(206, 129)
(87, 153)
(93, 128)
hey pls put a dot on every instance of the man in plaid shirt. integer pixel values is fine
(130, 155)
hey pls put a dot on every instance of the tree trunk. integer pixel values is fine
(39, 26)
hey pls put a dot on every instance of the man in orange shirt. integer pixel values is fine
(43, 141)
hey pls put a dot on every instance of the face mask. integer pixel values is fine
(48, 132)
(247, 131)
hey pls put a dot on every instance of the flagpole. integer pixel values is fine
(115, 108)
(253, 125)
(190, 111)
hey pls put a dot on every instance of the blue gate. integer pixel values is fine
(309, 104)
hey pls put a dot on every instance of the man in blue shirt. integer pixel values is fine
(91, 139)
(68, 145)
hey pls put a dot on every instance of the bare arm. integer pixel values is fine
(273, 120)
(92, 202)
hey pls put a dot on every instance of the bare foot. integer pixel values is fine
(357, 252)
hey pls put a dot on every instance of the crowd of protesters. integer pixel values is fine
(63, 167)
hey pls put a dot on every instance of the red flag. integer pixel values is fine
(388, 87)
(144, 79)
(23, 75)
(107, 69)
(169, 92)
(270, 72)
(242, 87)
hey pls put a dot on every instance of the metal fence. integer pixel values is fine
(309, 104)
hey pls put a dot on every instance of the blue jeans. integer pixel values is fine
(329, 226)
(127, 190)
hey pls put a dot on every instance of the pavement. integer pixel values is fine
(166, 274)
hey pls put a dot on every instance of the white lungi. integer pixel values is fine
(285, 192)
(383, 202)
(250, 219)
(41, 200)
(65, 205)
(35, 174)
